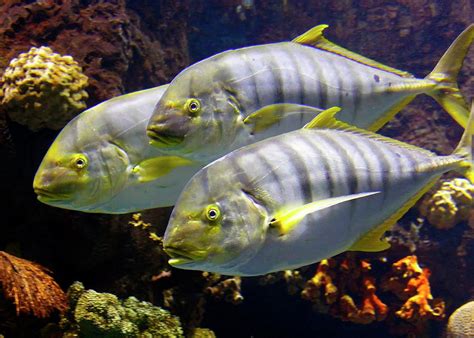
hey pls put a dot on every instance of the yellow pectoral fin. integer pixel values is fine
(270, 115)
(286, 221)
(153, 168)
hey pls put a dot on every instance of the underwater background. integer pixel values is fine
(124, 46)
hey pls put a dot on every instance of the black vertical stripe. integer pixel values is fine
(297, 94)
(277, 79)
(313, 143)
(322, 85)
(299, 167)
(251, 71)
(385, 166)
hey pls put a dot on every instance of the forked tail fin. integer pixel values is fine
(464, 148)
(447, 93)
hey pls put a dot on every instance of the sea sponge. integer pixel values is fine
(461, 322)
(449, 204)
(42, 89)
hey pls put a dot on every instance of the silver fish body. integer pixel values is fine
(214, 106)
(111, 136)
(250, 188)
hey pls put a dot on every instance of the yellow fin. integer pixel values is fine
(285, 221)
(445, 74)
(314, 37)
(326, 120)
(372, 241)
(270, 115)
(391, 112)
(464, 148)
(153, 168)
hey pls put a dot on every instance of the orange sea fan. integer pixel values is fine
(30, 287)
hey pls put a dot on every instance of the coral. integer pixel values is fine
(461, 322)
(138, 222)
(200, 332)
(449, 203)
(334, 282)
(411, 284)
(321, 284)
(227, 289)
(103, 314)
(30, 287)
(43, 89)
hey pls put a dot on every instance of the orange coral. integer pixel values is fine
(411, 284)
(372, 308)
(30, 287)
(322, 281)
(337, 281)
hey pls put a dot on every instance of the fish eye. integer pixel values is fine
(193, 106)
(213, 213)
(80, 162)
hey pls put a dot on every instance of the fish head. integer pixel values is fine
(197, 115)
(80, 170)
(214, 226)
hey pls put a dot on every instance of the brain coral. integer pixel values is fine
(42, 89)
(449, 204)
(461, 322)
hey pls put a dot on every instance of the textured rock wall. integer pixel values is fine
(119, 46)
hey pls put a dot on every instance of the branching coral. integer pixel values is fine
(228, 289)
(103, 314)
(336, 283)
(138, 222)
(449, 204)
(30, 287)
(43, 89)
(411, 284)
(322, 284)
(461, 322)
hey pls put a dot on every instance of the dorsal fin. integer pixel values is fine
(326, 120)
(314, 37)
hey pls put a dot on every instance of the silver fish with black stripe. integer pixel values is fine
(241, 96)
(294, 199)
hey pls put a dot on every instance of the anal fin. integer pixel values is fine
(371, 241)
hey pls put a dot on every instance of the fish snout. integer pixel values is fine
(45, 187)
(169, 129)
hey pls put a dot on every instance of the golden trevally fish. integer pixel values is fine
(294, 199)
(102, 161)
(211, 106)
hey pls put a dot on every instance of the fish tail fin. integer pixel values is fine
(464, 148)
(445, 74)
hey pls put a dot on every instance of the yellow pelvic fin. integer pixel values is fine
(326, 120)
(464, 148)
(270, 115)
(314, 37)
(153, 168)
(372, 241)
(285, 221)
(445, 74)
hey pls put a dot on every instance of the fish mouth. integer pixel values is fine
(180, 257)
(47, 195)
(161, 140)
